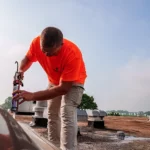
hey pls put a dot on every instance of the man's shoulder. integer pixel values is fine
(71, 47)
(36, 40)
(69, 43)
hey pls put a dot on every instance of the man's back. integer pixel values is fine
(67, 65)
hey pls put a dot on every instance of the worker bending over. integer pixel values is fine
(63, 63)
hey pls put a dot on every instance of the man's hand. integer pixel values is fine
(21, 94)
(21, 75)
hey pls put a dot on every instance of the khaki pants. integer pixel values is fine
(62, 119)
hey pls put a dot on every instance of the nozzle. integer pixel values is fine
(16, 62)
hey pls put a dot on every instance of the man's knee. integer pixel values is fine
(68, 114)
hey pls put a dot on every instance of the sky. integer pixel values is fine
(113, 36)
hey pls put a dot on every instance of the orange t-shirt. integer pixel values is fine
(67, 65)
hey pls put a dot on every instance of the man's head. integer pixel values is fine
(51, 41)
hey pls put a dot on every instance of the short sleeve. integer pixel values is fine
(31, 52)
(71, 70)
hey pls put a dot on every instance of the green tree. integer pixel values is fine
(7, 103)
(87, 102)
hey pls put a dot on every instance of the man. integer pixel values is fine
(62, 61)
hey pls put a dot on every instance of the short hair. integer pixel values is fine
(50, 37)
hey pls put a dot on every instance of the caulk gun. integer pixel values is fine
(16, 86)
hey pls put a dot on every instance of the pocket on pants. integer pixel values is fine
(80, 94)
(73, 97)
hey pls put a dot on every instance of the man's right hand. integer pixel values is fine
(21, 75)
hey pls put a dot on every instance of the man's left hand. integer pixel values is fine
(21, 94)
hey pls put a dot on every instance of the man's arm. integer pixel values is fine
(25, 64)
(53, 92)
(29, 58)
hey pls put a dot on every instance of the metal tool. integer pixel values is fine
(16, 86)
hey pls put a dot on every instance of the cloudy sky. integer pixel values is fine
(113, 36)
